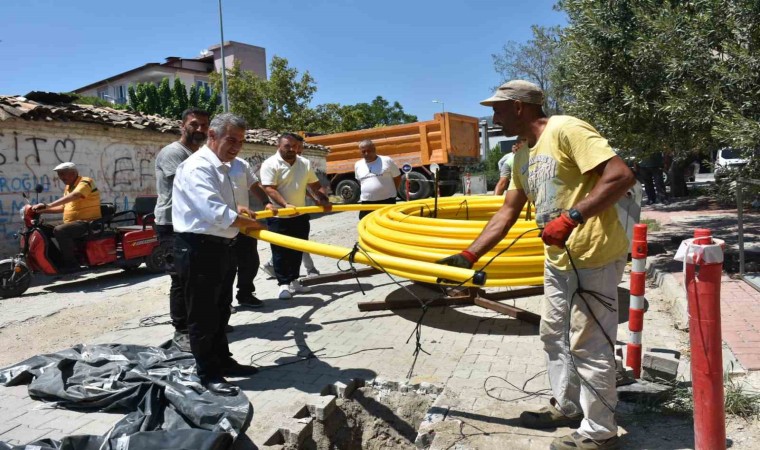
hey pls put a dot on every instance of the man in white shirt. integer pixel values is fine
(378, 175)
(245, 181)
(193, 128)
(206, 221)
(285, 177)
(505, 168)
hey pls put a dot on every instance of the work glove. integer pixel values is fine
(464, 260)
(558, 230)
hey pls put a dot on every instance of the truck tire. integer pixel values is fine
(419, 186)
(448, 190)
(348, 190)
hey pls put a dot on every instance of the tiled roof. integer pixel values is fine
(17, 107)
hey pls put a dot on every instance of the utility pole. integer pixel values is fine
(225, 102)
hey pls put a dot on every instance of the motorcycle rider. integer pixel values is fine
(80, 204)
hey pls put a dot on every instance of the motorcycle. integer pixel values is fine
(117, 240)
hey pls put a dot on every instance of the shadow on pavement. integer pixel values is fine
(302, 367)
(92, 281)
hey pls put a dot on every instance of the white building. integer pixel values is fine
(192, 71)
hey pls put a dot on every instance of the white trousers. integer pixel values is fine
(593, 358)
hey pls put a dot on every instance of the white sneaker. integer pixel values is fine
(295, 286)
(269, 270)
(284, 292)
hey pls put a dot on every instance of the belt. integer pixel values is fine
(208, 238)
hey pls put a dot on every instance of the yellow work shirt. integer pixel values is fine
(556, 174)
(87, 208)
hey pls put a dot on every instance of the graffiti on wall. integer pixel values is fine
(121, 172)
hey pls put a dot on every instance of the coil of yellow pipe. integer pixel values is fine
(404, 240)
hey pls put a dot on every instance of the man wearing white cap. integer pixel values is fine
(80, 204)
(574, 178)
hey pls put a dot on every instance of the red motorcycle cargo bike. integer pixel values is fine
(117, 240)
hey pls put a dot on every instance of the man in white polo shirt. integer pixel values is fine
(285, 177)
(379, 176)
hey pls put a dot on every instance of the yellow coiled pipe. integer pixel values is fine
(404, 240)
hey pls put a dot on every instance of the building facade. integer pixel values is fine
(192, 71)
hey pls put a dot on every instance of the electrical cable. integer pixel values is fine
(528, 394)
(308, 356)
(606, 302)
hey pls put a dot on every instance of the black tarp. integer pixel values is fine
(156, 386)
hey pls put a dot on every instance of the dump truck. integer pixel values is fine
(449, 140)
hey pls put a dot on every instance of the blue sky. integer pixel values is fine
(410, 51)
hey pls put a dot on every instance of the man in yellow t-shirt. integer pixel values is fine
(80, 204)
(574, 178)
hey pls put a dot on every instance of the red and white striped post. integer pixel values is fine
(636, 308)
(702, 278)
(467, 184)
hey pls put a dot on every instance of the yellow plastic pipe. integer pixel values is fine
(404, 240)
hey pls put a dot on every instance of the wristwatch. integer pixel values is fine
(575, 215)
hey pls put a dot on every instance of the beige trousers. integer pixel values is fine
(592, 356)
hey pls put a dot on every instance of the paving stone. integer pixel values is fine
(659, 366)
(8, 425)
(320, 407)
(23, 434)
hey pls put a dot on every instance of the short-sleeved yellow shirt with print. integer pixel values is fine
(556, 174)
(87, 208)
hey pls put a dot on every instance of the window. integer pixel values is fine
(120, 94)
(103, 93)
(203, 88)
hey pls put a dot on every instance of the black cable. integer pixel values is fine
(151, 321)
(523, 389)
(466, 209)
(605, 301)
(350, 256)
(308, 356)
(607, 304)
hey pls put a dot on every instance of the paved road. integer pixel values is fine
(464, 346)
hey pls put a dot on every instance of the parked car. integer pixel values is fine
(728, 159)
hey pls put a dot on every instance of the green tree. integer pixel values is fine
(334, 118)
(676, 77)
(288, 96)
(180, 100)
(280, 103)
(165, 101)
(535, 60)
(246, 93)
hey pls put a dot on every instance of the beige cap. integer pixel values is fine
(65, 166)
(522, 90)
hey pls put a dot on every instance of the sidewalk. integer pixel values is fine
(740, 301)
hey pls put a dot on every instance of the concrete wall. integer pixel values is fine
(121, 161)
(251, 57)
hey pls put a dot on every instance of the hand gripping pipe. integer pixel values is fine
(406, 241)
(636, 309)
(703, 270)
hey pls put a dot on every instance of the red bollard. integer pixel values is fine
(636, 308)
(702, 279)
